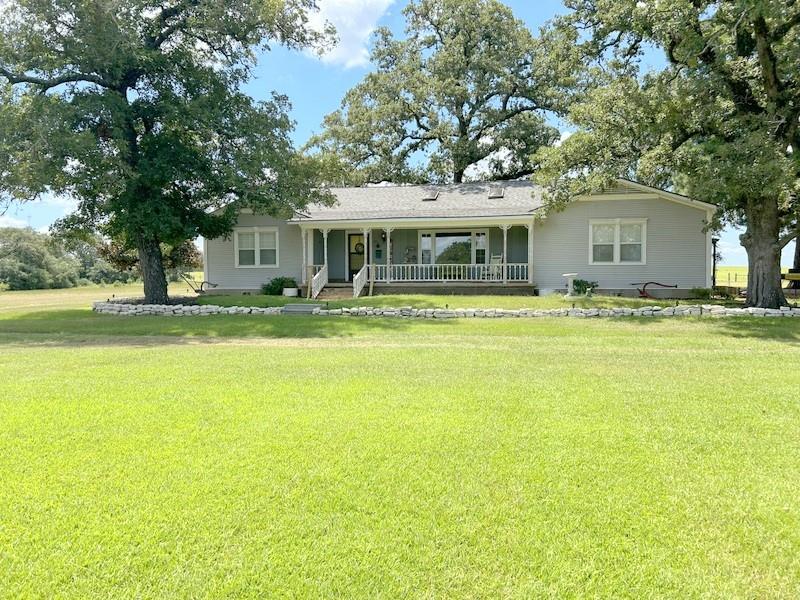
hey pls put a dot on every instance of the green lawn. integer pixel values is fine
(451, 301)
(247, 456)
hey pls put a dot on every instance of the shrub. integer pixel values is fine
(31, 260)
(701, 293)
(275, 286)
(583, 287)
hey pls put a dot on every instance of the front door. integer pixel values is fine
(355, 249)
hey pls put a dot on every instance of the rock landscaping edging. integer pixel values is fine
(688, 310)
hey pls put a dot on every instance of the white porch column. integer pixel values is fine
(304, 243)
(367, 252)
(325, 246)
(505, 253)
(529, 227)
(388, 231)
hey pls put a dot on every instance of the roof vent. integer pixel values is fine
(496, 192)
(430, 195)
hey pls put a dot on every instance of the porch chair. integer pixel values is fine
(495, 272)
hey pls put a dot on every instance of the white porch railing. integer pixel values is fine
(513, 272)
(319, 281)
(360, 280)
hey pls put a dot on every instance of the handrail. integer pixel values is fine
(515, 272)
(319, 281)
(360, 280)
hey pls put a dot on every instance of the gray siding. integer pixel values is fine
(221, 262)
(676, 248)
(676, 245)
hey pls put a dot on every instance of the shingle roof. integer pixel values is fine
(409, 201)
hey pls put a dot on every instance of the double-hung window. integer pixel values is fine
(256, 247)
(617, 241)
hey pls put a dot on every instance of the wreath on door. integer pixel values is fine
(359, 248)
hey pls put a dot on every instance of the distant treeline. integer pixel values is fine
(32, 260)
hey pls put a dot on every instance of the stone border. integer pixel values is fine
(689, 310)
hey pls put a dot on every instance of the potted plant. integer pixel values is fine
(281, 285)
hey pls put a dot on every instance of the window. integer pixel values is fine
(426, 256)
(454, 247)
(617, 241)
(481, 245)
(268, 247)
(256, 247)
(630, 242)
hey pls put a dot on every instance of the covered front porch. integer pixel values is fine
(427, 254)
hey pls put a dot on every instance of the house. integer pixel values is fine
(491, 237)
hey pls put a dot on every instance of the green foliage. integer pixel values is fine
(135, 108)
(701, 293)
(465, 90)
(93, 267)
(719, 122)
(30, 260)
(583, 287)
(275, 286)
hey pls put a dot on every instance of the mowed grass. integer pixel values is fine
(247, 456)
(447, 300)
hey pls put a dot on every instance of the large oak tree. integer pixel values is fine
(720, 121)
(467, 87)
(134, 108)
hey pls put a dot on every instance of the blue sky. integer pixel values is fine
(316, 85)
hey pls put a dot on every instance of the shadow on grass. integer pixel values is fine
(82, 327)
(774, 329)
(78, 327)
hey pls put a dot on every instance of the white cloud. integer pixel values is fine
(355, 20)
(65, 204)
(9, 221)
(732, 253)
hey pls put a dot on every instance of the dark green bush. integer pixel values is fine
(701, 293)
(275, 286)
(583, 287)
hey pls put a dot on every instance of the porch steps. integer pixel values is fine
(336, 293)
(300, 309)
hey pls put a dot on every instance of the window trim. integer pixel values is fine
(617, 242)
(473, 242)
(257, 231)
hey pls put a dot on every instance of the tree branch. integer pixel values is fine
(784, 240)
(767, 60)
(47, 84)
(162, 22)
(784, 28)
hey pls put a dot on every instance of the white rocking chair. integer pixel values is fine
(496, 267)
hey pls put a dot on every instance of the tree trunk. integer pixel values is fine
(795, 285)
(763, 255)
(152, 267)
